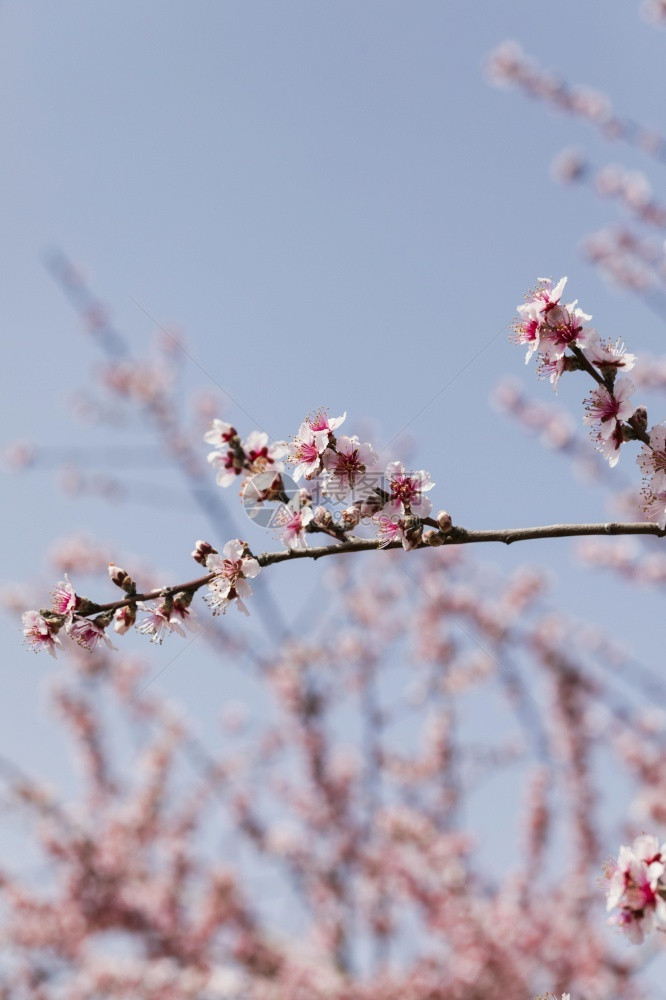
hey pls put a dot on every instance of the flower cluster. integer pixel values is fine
(68, 611)
(233, 457)
(339, 483)
(636, 888)
(336, 471)
(559, 334)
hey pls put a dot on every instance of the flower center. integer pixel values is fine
(404, 489)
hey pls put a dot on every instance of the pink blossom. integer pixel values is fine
(159, 622)
(563, 327)
(293, 526)
(220, 433)
(390, 529)
(182, 612)
(546, 325)
(539, 302)
(261, 455)
(40, 633)
(232, 458)
(232, 570)
(552, 370)
(610, 446)
(306, 451)
(607, 356)
(652, 458)
(406, 491)
(654, 506)
(229, 464)
(322, 422)
(635, 887)
(348, 464)
(87, 633)
(64, 601)
(124, 618)
(606, 408)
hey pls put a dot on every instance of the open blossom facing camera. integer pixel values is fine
(262, 456)
(406, 491)
(306, 451)
(293, 524)
(232, 569)
(348, 464)
(636, 888)
(314, 436)
(606, 409)
(606, 412)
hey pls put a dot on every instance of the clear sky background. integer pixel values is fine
(335, 208)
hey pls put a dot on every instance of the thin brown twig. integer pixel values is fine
(455, 536)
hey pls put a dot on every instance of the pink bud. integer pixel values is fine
(322, 517)
(122, 579)
(124, 618)
(350, 518)
(444, 521)
(201, 552)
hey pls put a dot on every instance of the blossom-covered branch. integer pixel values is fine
(344, 487)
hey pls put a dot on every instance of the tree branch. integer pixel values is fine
(455, 536)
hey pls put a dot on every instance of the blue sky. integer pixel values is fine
(336, 209)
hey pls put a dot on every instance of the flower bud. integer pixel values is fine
(121, 578)
(124, 618)
(639, 420)
(374, 503)
(444, 521)
(183, 598)
(103, 620)
(201, 552)
(350, 518)
(433, 538)
(322, 517)
(413, 529)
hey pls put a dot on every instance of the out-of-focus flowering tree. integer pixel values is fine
(354, 863)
